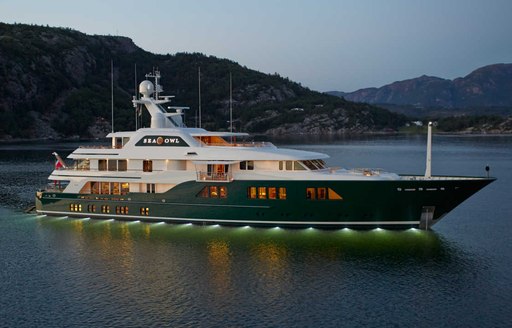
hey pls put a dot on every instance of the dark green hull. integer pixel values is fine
(364, 204)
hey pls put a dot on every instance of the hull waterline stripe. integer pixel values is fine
(157, 218)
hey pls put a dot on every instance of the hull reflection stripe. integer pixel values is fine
(158, 218)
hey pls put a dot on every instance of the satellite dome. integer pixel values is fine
(146, 88)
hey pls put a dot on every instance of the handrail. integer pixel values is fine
(211, 176)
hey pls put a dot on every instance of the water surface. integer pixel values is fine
(66, 272)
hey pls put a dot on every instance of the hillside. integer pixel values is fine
(485, 90)
(55, 83)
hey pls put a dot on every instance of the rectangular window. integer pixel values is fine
(272, 193)
(122, 165)
(112, 165)
(282, 193)
(105, 209)
(321, 192)
(91, 208)
(243, 165)
(262, 192)
(147, 166)
(280, 165)
(310, 193)
(95, 187)
(125, 188)
(214, 193)
(289, 165)
(102, 165)
(251, 192)
(150, 188)
(105, 188)
(223, 192)
(114, 188)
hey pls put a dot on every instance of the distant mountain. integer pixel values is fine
(486, 87)
(55, 83)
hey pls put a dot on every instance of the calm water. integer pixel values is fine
(77, 273)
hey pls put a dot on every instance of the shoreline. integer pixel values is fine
(264, 135)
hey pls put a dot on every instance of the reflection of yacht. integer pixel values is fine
(173, 173)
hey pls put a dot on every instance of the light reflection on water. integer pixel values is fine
(204, 273)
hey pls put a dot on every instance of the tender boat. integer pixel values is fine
(173, 173)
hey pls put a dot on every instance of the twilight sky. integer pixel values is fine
(325, 45)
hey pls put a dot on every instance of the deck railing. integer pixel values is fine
(210, 176)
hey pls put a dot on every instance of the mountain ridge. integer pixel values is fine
(55, 84)
(485, 87)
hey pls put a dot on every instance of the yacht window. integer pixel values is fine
(95, 187)
(297, 166)
(247, 165)
(125, 188)
(112, 165)
(251, 192)
(310, 193)
(122, 165)
(280, 165)
(105, 188)
(309, 165)
(262, 192)
(223, 192)
(114, 188)
(282, 193)
(118, 143)
(150, 188)
(333, 194)
(102, 165)
(319, 163)
(321, 193)
(214, 192)
(204, 192)
(289, 165)
(147, 166)
(272, 194)
(83, 164)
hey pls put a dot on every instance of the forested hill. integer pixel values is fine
(55, 83)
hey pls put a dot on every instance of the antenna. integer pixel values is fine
(230, 103)
(112, 90)
(428, 169)
(199, 79)
(136, 97)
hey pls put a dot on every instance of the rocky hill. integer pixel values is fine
(484, 88)
(55, 83)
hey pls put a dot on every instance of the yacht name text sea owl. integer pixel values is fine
(172, 173)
